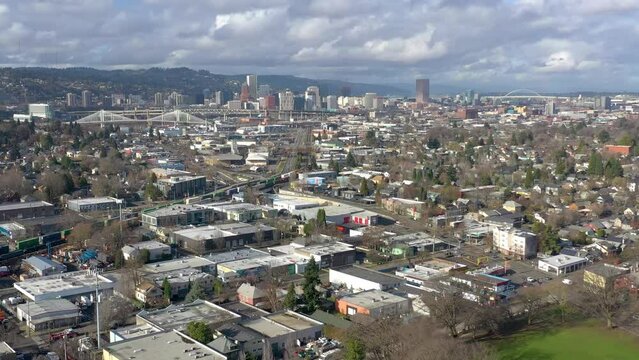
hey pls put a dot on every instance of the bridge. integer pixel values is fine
(175, 117)
(522, 94)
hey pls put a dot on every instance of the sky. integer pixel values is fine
(491, 45)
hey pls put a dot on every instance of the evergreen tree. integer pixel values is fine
(311, 280)
(613, 169)
(196, 292)
(354, 349)
(290, 301)
(118, 259)
(529, 181)
(166, 289)
(350, 160)
(363, 187)
(595, 164)
(603, 136)
(321, 217)
(200, 331)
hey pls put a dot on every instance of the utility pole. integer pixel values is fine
(97, 307)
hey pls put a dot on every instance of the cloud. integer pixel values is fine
(489, 44)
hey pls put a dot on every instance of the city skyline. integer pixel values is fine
(545, 46)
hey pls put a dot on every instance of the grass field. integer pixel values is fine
(582, 343)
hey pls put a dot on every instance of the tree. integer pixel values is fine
(532, 301)
(311, 281)
(433, 143)
(613, 169)
(595, 164)
(196, 292)
(151, 192)
(118, 259)
(603, 136)
(350, 160)
(529, 181)
(218, 287)
(448, 308)
(80, 233)
(321, 217)
(167, 291)
(200, 331)
(144, 256)
(354, 349)
(363, 187)
(607, 302)
(290, 301)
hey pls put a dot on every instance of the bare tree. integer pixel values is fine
(532, 301)
(608, 303)
(449, 308)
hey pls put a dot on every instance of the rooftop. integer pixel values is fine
(563, 260)
(325, 249)
(67, 284)
(149, 245)
(372, 299)
(607, 270)
(178, 316)
(187, 262)
(23, 205)
(239, 254)
(94, 200)
(135, 331)
(221, 231)
(165, 345)
(370, 275)
(293, 320)
(267, 327)
(263, 261)
(43, 263)
(181, 178)
(43, 307)
(174, 210)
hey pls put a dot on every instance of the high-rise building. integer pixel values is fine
(86, 98)
(251, 81)
(602, 103)
(331, 102)
(313, 101)
(345, 91)
(118, 99)
(158, 99)
(287, 101)
(422, 91)
(550, 108)
(40, 111)
(369, 101)
(245, 93)
(72, 100)
(219, 98)
(263, 90)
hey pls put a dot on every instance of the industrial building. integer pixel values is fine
(103, 203)
(177, 215)
(205, 239)
(359, 278)
(178, 187)
(157, 250)
(43, 266)
(374, 303)
(160, 345)
(71, 285)
(25, 210)
(48, 314)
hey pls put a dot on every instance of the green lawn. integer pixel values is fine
(581, 343)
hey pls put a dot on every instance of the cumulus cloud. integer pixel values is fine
(488, 44)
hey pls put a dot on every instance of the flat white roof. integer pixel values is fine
(62, 285)
(263, 261)
(94, 200)
(23, 205)
(559, 261)
(372, 299)
(186, 262)
(165, 345)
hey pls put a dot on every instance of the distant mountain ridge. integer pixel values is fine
(35, 84)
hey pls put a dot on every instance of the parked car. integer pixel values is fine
(567, 281)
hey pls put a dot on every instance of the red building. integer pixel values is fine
(245, 93)
(618, 149)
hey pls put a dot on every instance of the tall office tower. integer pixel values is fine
(206, 93)
(550, 108)
(422, 91)
(331, 102)
(245, 93)
(345, 91)
(287, 101)
(86, 98)
(251, 81)
(72, 100)
(369, 101)
(312, 98)
(605, 103)
(117, 99)
(158, 100)
(219, 98)
(263, 90)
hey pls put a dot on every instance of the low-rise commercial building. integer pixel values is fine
(103, 203)
(26, 210)
(157, 250)
(48, 314)
(562, 264)
(361, 279)
(170, 344)
(210, 238)
(329, 255)
(603, 275)
(177, 317)
(71, 285)
(177, 215)
(43, 266)
(374, 303)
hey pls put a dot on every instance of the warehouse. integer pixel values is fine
(26, 210)
(69, 285)
(48, 314)
(103, 203)
(205, 239)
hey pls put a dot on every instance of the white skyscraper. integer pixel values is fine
(251, 81)
(313, 101)
(369, 101)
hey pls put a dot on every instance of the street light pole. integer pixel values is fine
(97, 307)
